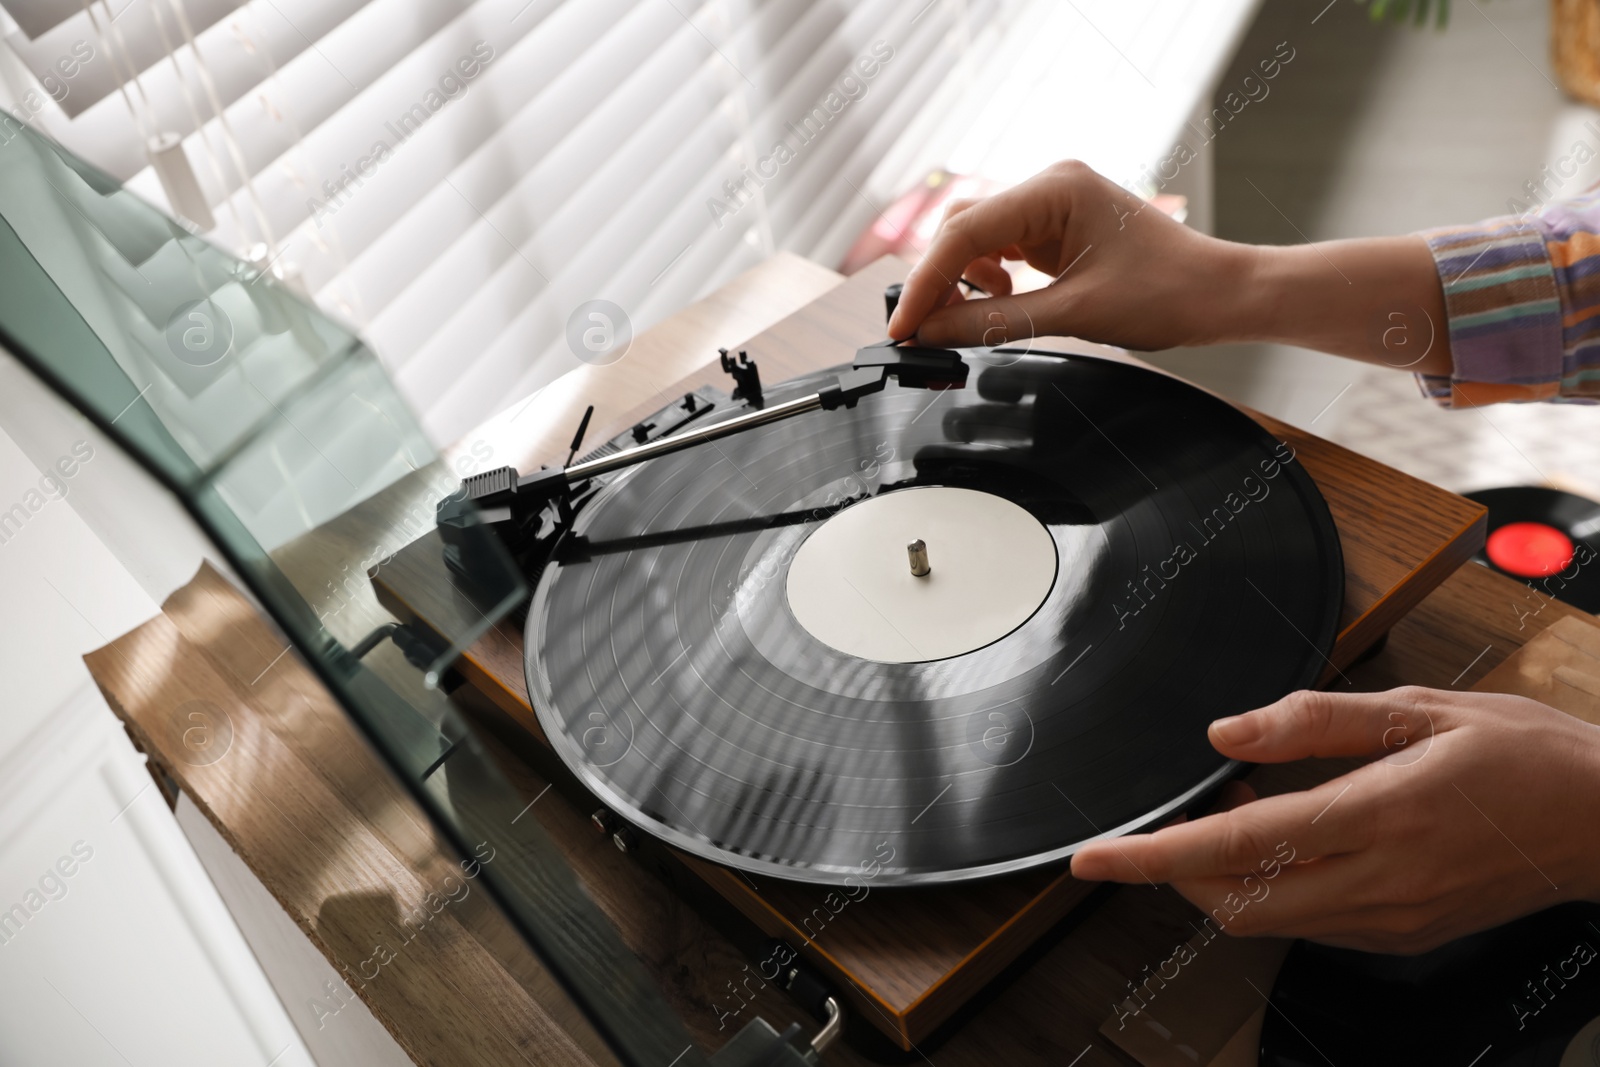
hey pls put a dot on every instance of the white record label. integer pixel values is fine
(991, 564)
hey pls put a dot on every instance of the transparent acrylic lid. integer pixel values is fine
(279, 434)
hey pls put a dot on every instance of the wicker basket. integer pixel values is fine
(1575, 47)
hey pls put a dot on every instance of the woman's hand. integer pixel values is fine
(1481, 808)
(1126, 274)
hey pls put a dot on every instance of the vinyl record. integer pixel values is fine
(735, 659)
(1547, 538)
(1526, 994)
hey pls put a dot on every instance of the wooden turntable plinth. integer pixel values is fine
(908, 960)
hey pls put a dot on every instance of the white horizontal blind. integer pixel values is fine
(144, 42)
(457, 176)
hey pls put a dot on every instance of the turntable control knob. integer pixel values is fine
(625, 840)
(603, 821)
(918, 551)
(891, 299)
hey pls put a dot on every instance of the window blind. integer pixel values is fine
(455, 177)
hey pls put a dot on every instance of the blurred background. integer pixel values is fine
(454, 178)
(1380, 129)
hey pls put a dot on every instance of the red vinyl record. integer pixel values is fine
(1547, 538)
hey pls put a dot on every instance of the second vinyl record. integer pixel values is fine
(1124, 558)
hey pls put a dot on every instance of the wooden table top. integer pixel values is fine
(300, 774)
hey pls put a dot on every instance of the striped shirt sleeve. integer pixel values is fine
(1522, 294)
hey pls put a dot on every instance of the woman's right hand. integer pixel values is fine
(1126, 274)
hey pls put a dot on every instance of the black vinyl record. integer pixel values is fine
(1197, 575)
(1564, 525)
(1526, 994)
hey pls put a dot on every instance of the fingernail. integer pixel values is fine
(1090, 868)
(1237, 729)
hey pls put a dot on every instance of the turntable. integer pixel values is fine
(871, 643)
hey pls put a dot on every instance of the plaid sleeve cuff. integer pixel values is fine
(1505, 313)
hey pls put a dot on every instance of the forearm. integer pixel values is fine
(1516, 318)
(1377, 299)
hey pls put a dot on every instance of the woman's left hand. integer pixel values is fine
(1479, 808)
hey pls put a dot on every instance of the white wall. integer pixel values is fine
(131, 958)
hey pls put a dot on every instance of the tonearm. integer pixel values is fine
(506, 496)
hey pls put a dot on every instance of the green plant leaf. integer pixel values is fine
(1415, 12)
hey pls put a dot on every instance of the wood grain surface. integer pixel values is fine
(298, 796)
(910, 959)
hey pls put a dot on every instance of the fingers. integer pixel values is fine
(987, 274)
(1311, 723)
(1329, 895)
(1339, 900)
(924, 293)
(992, 321)
(1245, 839)
(1398, 929)
(971, 230)
(957, 206)
(1235, 794)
